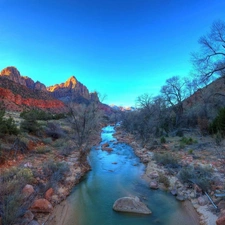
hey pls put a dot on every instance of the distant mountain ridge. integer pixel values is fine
(15, 86)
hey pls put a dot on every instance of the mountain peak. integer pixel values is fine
(10, 71)
(71, 82)
(13, 74)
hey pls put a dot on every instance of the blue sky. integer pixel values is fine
(119, 48)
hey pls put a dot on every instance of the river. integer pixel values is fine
(118, 174)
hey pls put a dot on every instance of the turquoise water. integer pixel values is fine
(114, 175)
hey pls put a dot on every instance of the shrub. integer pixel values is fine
(54, 131)
(30, 125)
(20, 175)
(66, 151)
(190, 151)
(164, 179)
(58, 143)
(218, 124)
(11, 208)
(201, 175)
(55, 171)
(7, 126)
(187, 141)
(179, 133)
(163, 140)
(218, 138)
(2, 156)
(11, 182)
(47, 140)
(166, 159)
(41, 115)
(42, 150)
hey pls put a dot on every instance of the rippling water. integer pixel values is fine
(114, 175)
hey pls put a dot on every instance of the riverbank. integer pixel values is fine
(80, 203)
(194, 211)
(195, 203)
(62, 211)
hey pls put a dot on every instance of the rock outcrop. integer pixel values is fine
(131, 205)
(221, 220)
(41, 205)
(28, 190)
(72, 90)
(21, 93)
(13, 74)
(21, 98)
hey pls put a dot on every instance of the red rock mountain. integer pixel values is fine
(20, 92)
(72, 90)
(13, 74)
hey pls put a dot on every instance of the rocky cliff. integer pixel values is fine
(72, 90)
(18, 92)
(17, 97)
(13, 74)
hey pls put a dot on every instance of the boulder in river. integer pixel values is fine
(131, 205)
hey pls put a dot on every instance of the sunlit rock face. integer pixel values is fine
(16, 102)
(23, 92)
(13, 74)
(72, 90)
(18, 93)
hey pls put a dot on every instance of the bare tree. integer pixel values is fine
(85, 121)
(210, 61)
(174, 94)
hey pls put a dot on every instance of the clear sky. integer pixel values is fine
(120, 48)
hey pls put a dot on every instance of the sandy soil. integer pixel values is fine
(59, 215)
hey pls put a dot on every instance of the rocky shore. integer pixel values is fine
(193, 199)
(52, 208)
(194, 202)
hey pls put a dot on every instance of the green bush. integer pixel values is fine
(187, 141)
(2, 156)
(163, 140)
(40, 115)
(218, 124)
(42, 150)
(7, 126)
(166, 159)
(47, 140)
(190, 151)
(30, 125)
